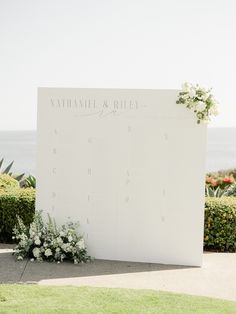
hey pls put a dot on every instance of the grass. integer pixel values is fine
(44, 299)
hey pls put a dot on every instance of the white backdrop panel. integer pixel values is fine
(129, 165)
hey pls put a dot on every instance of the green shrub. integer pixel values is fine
(7, 182)
(223, 173)
(15, 202)
(8, 169)
(28, 182)
(220, 224)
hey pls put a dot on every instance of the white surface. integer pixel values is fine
(133, 177)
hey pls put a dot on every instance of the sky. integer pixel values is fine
(157, 44)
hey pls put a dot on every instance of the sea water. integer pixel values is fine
(20, 146)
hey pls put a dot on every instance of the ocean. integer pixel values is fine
(20, 146)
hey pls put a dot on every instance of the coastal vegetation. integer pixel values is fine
(14, 201)
(220, 224)
(17, 199)
(221, 183)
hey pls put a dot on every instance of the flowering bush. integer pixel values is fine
(46, 241)
(198, 99)
(222, 182)
(217, 186)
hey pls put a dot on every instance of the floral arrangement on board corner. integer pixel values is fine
(46, 241)
(200, 100)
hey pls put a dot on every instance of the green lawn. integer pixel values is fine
(43, 299)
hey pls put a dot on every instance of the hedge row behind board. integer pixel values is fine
(15, 202)
(219, 229)
(220, 224)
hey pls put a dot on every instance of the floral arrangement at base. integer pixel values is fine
(200, 100)
(46, 241)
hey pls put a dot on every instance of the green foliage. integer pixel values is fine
(7, 182)
(8, 168)
(31, 182)
(15, 202)
(211, 192)
(46, 241)
(7, 171)
(220, 224)
(231, 191)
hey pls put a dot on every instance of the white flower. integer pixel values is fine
(213, 110)
(32, 233)
(37, 241)
(81, 244)
(65, 247)
(36, 252)
(70, 238)
(48, 252)
(205, 96)
(62, 233)
(32, 259)
(192, 92)
(19, 258)
(186, 87)
(58, 249)
(59, 240)
(22, 243)
(200, 106)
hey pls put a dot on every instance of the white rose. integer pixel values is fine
(81, 244)
(59, 240)
(205, 96)
(64, 247)
(22, 243)
(213, 110)
(70, 238)
(36, 252)
(192, 92)
(37, 241)
(200, 106)
(186, 87)
(32, 234)
(48, 252)
(69, 248)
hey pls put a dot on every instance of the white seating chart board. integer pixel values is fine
(129, 165)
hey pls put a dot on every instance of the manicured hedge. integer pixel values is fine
(220, 224)
(7, 182)
(220, 217)
(15, 202)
